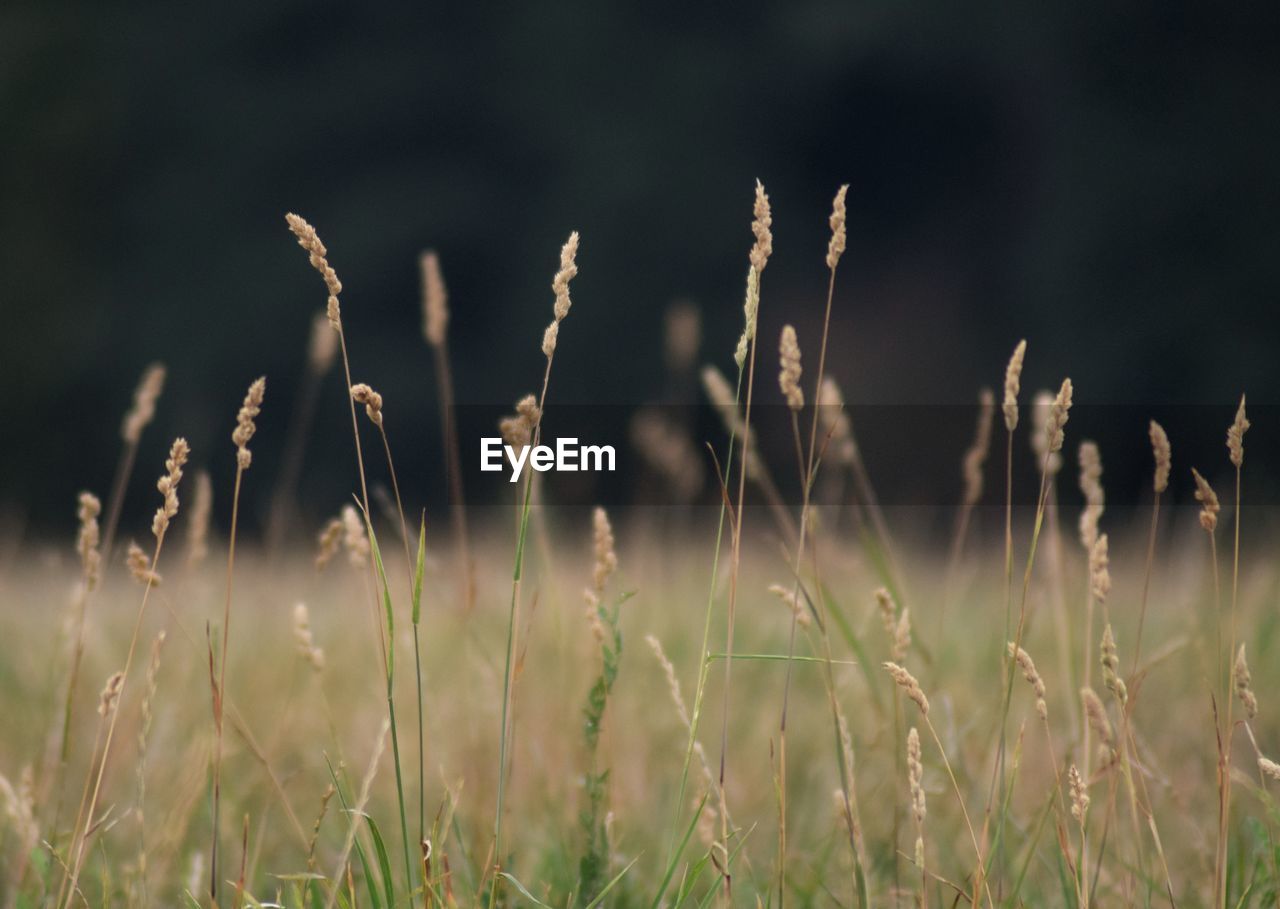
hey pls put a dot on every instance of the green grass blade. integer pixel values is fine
(609, 886)
(418, 569)
(524, 890)
(675, 856)
(384, 863)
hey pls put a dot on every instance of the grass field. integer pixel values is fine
(790, 704)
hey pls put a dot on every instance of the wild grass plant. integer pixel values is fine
(868, 745)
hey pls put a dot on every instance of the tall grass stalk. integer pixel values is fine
(168, 485)
(808, 473)
(560, 284)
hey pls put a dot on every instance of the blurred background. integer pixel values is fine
(1101, 179)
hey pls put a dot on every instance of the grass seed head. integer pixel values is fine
(750, 315)
(910, 687)
(1032, 675)
(915, 777)
(168, 486)
(1100, 569)
(245, 425)
(568, 269)
(354, 537)
(139, 564)
(1163, 456)
(792, 602)
(372, 401)
(1079, 794)
(1208, 500)
(606, 557)
(1269, 768)
(110, 693)
(1041, 408)
(302, 637)
(976, 456)
(1111, 667)
(144, 403)
(789, 374)
(1094, 497)
(1235, 436)
(517, 430)
(760, 225)
(834, 422)
(1243, 680)
(1096, 714)
(330, 538)
(309, 240)
(1058, 416)
(201, 514)
(435, 300)
(87, 540)
(1012, 385)
(835, 247)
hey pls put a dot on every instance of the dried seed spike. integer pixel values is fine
(1032, 675)
(568, 269)
(1079, 794)
(915, 777)
(1235, 436)
(144, 403)
(835, 424)
(110, 693)
(976, 456)
(245, 426)
(1163, 456)
(673, 682)
(888, 610)
(1099, 569)
(1208, 500)
(606, 557)
(1012, 385)
(517, 431)
(910, 687)
(835, 247)
(1111, 667)
(1094, 497)
(789, 374)
(309, 240)
(1097, 716)
(1244, 683)
(763, 247)
(198, 527)
(303, 638)
(750, 313)
(330, 539)
(792, 602)
(372, 401)
(1041, 408)
(354, 537)
(87, 540)
(1269, 768)
(902, 636)
(168, 486)
(1058, 415)
(435, 300)
(140, 565)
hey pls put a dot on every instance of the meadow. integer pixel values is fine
(754, 699)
